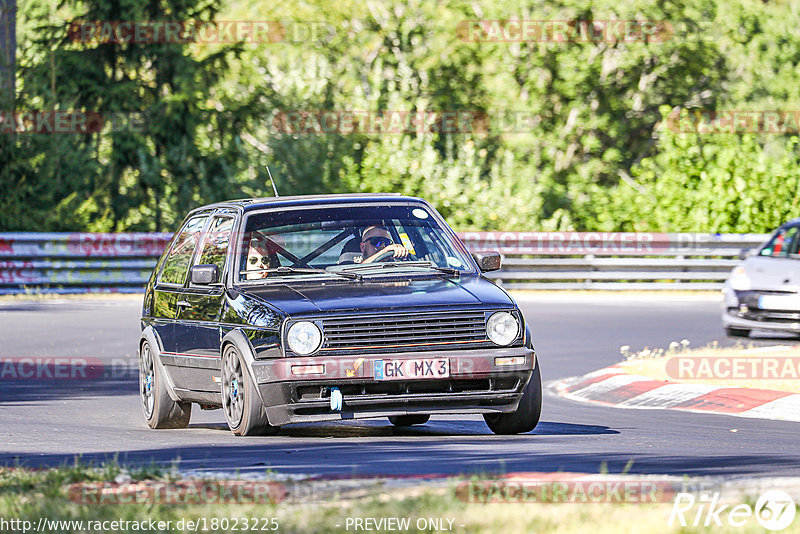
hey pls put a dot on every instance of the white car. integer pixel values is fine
(763, 293)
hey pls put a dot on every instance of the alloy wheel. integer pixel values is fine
(232, 388)
(147, 380)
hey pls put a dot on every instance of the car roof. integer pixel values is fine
(251, 204)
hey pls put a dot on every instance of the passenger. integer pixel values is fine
(261, 254)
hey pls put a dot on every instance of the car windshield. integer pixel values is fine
(785, 244)
(342, 240)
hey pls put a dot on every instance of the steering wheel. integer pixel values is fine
(388, 255)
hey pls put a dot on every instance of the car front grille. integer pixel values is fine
(766, 316)
(316, 392)
(405, 330)
(749, 308)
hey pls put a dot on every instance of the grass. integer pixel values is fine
(653, 364)
(30, 494)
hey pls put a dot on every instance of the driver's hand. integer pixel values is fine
(398, 250)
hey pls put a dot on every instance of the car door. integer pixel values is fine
(198, 332)
(168, 290)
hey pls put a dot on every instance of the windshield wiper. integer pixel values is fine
(285, 269)
(446, 270)
(391, 264)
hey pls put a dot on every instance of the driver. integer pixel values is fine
(376, 241)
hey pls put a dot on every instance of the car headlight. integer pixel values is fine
(739, 280)
(502, 328)
(304, 337)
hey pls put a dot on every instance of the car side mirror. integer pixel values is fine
(203, 275)
(746, 253)
(487, 261)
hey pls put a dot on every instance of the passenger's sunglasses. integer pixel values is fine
(378, 241)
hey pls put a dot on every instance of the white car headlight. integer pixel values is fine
(304, 337)
(502, 328)
(739, 280)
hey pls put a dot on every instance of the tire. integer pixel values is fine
(408, 420)
(241, 404)
(737, 332)
(527, 415)
(159, 409)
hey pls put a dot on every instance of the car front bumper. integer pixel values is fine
(475, 385)
(741, 310)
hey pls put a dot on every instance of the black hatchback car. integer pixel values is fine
(321, 308)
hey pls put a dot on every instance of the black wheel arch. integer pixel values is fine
(156, 346)
(239, 340)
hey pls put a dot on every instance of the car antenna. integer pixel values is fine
(272, 181)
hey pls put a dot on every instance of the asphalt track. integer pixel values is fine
(50, 422)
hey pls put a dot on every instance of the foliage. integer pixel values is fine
(728, 183)
(588, 149)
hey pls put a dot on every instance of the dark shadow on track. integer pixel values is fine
(382, 428)
(395, 457)
(114, 382)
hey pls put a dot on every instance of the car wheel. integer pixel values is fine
(527, 415)
(737, 332)
(408, 420)
(243, 408)
(159, 409)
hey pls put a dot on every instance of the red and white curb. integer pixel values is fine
(613, 386)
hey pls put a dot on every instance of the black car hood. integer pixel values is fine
(420, 294)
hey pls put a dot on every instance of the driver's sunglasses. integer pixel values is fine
(378, 241)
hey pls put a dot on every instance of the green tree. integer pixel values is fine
(172, 150)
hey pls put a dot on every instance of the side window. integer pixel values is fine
(215, 244)
(784, 244)
(180, 256)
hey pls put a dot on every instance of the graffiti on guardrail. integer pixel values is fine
(117, 244)
(29, 245)
(16, 272)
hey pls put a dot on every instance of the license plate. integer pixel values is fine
(411, 369)
(779, 302)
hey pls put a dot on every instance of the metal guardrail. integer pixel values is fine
(614, 261)
(91, 262)
(78, 262)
